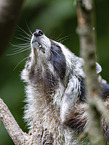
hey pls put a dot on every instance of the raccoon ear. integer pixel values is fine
(98, 68)
(79, 69)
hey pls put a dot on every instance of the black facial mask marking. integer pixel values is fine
(58, 60)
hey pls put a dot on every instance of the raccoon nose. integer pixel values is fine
(38, 33)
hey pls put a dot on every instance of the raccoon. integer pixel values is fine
(55, 90)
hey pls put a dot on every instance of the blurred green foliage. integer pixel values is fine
(57, 19)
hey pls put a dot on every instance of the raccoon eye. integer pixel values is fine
(29, 58)
(58, 60)
(55, 47)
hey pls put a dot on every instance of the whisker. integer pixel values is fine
(57, 39)
(28, 38)
(64, 38)
(21, 49)
(23, 45)
(53, 35)
(19, 63)
(22, 39)
(28, 28)
(24, 31)
(19, 45)
(17, 49)
(18, 52)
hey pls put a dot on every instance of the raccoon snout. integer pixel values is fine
(38, 32)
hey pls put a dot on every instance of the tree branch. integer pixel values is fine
(36, 136)
(17, 135)
(9, 11)
(86, 33)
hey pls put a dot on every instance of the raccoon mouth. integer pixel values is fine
(38, 45)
